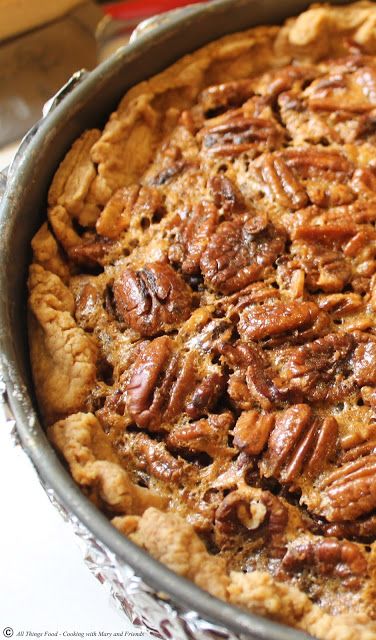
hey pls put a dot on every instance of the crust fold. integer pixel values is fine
(94, 465)
(63, 356)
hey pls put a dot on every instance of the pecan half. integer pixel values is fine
(255, 292)
(344, 91)
(165, 382)
(236, 134)
(332, 557)
(324, 354)
(364, 363)
(240, 511)
(324, 268)
(236, 255)
(249, 510)
(352, 451)
(152, 299)
(272, 83)
(337, 232)
(225, 194)
(154, 458)
(129, 205)
(349, 492)
(88, 299)
(311, 162)
(205, 394)
(193, 236)
(148, 369)
(340, 304)
(220, 97)
(299, 444)
(281, 184)
(320, 370)
(252, 431)
(209, 434)
(91, 252)
(364, 528)
(251, 379)
(290, 425)
(275, 317)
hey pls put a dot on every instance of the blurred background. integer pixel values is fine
(43, 42)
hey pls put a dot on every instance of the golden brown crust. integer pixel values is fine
(172, 541)
(63, 357)
(70, 187)
(93, 464)
(265, 596)
(46, 252)
(208, 277)
(316, 33)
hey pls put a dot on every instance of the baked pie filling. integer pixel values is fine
(202, 318)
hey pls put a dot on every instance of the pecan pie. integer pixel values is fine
(202, 319)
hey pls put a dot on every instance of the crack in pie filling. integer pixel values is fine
(202, 319)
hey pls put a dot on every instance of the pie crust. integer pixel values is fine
(202, 319)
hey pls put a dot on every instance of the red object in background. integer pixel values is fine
(135, 9)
